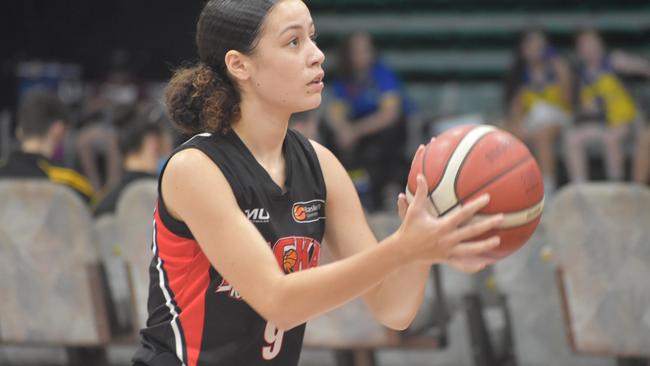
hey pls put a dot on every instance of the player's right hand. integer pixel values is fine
(444, 239)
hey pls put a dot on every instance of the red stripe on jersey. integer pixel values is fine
(188, 274)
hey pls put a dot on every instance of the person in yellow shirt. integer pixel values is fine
(537, 95)
(41, 127)
(605, 110)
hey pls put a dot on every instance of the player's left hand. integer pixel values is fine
(467, 264)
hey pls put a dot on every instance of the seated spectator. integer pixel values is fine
(367, 118)
(97, 137)
(605, 110)
(42, 117)
(142, 144)
(537, 94)
(641, 170)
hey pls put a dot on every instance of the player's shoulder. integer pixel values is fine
(195, 153)
(197, 139)
(323, 153)
(189, 174)
(190, 161)
(330, 165)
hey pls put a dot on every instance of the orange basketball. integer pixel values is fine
(289, 260)
(467, 161)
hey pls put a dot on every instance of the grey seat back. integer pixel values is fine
(49, 280)
(601, 237)
(133, 219)
(117, 273)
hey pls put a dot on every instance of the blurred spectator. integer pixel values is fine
(641, 170)
(605, 110)
(97, 138)
(42, 117)
(142, 144)
(306, 123)
(537, 94)
(367, 117)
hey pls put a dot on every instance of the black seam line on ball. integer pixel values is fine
(489, 182)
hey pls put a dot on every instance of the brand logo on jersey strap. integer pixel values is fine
(296, 253)
(310, 211)
(258, 215)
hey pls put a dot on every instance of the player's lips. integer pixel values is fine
(318, 79)
(316, 85)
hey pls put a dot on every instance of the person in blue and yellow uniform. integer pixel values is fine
(41, 128)
(605, 110)
(368, 112)
(538, 98)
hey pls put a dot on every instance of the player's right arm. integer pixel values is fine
(196, 192)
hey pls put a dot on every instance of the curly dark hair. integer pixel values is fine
(203, 97)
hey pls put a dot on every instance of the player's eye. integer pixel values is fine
(294, 42)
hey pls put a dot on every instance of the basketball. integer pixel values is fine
(289, 260)
(469, 160)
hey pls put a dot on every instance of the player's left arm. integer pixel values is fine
(395, 301)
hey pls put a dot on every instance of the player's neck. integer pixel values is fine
(262, 130)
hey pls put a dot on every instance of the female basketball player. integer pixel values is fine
(242, 206)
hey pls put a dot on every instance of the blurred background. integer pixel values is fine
(83, 135)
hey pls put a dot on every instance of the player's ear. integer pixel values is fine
(238, 65)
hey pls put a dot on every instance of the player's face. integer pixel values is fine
(287, 64)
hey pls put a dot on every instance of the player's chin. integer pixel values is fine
(311, 101)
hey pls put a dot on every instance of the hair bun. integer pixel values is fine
(198, 99)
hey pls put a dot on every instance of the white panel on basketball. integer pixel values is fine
(430, 208)
(517, 218)
(444, 196)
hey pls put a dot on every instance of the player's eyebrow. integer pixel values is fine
(295, 26)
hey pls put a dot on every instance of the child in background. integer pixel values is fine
(605, 110)
(538, 97)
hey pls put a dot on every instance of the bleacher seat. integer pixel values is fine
(601, 240)
(50, 280)
(117, 273)
(133, 218)
(527, 279)
(441, 45)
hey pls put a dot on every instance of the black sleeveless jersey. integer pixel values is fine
(196, 318)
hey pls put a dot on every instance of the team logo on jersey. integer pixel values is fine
(293, 253)
(310, 211)
(258, 215)
(296, 253)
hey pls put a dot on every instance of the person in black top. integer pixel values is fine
(245, 205)
(42, 117)
(142, 144)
